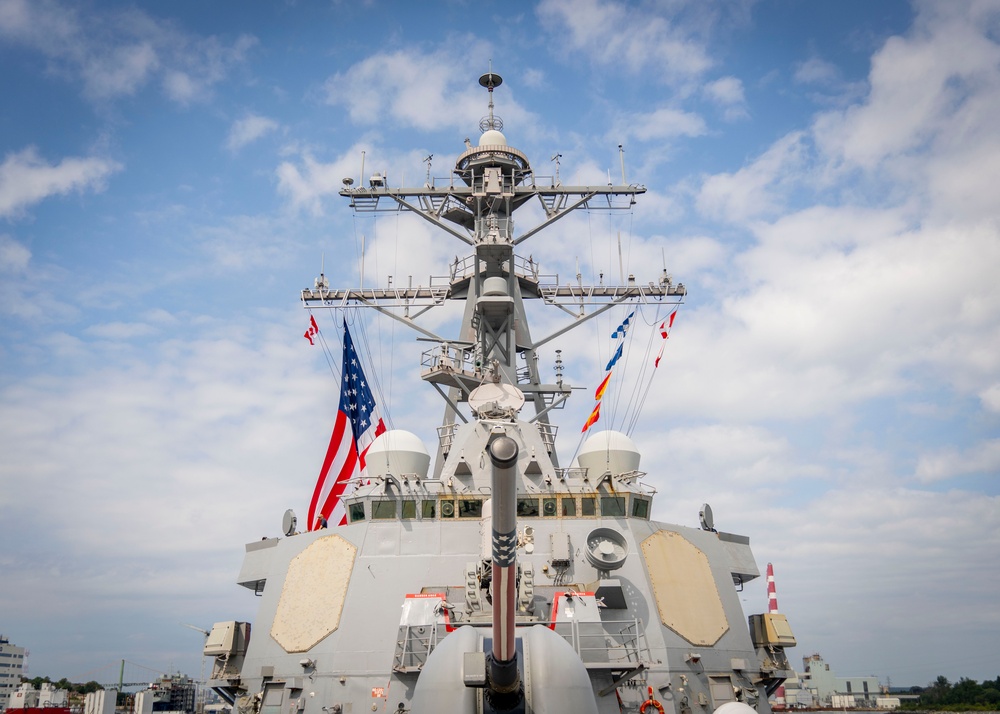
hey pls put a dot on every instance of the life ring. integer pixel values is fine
(650, 703)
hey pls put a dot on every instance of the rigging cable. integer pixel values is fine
(649, 383)
(638, 400)
(327, 353)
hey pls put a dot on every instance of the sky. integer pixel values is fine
(822, 177)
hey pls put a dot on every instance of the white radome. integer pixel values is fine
(492, 138)
(397, 452)
(608, 451)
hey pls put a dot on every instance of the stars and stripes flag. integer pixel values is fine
(357, 424)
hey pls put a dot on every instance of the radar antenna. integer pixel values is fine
(491, 80)
(427, 161)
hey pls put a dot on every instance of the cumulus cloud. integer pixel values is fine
(307, 181)
(933, 94)
(727, 93)
(248, 129)
(427, 91)
(14, 257)
(758, 189)
(816, 71)
(990, 398)
(26, 178)
(640, 39)
(982, 458)
(662, 123)
(118, 52)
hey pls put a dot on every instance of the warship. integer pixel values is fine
(496, 579)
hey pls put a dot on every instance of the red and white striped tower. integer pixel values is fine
(772, 607)
(772, 596)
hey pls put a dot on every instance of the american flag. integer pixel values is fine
(357, 424)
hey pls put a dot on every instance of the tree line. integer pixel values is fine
(964, 695)
(64, 683)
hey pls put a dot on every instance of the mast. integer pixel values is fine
(490, 181)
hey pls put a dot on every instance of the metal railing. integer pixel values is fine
(613, 645)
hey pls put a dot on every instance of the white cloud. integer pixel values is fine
(662, 123)
(635, 38)
(816, 71)
(758, 189)
(727, 93)
(990, 398)
(982, 458)
(308, 181)
(14, 257)
(119, 330)
(426, 91)
(931, 90)
(117, 53)
(248, 129)
(534, 78)
(26, 178)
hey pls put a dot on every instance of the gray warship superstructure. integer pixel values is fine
(495, 579)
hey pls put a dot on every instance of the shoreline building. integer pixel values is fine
(11, 669)
(821, 685)
(169, 693)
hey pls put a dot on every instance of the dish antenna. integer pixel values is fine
(288, 522)
(706, 518)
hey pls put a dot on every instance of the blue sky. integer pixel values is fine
(821, 176)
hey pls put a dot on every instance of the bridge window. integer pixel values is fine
(447, 509)
(527, 507)
(428, 509)
(470, 508)
(640, 507)
(409, 508)
(383, 510)
(568, 505)
(357, 511)
(613, 506)
(549, 507)
(588, 506)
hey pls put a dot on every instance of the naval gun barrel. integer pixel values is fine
(502, 674)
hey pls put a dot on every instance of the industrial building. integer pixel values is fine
(818, 685)
(11, 669)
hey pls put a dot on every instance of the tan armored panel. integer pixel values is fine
(685, 590)
(313, 595)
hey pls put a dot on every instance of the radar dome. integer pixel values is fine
(735, 708)
(397, 452)
(608, 451)
(492, 138)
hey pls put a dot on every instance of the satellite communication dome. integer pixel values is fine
(397, 452)
(492, 137)
(608, 451)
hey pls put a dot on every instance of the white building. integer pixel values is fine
(829, 690)
(11, 669)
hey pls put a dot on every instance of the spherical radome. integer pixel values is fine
(492, 137)
(397, 452)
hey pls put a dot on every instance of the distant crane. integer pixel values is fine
(201, 679)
